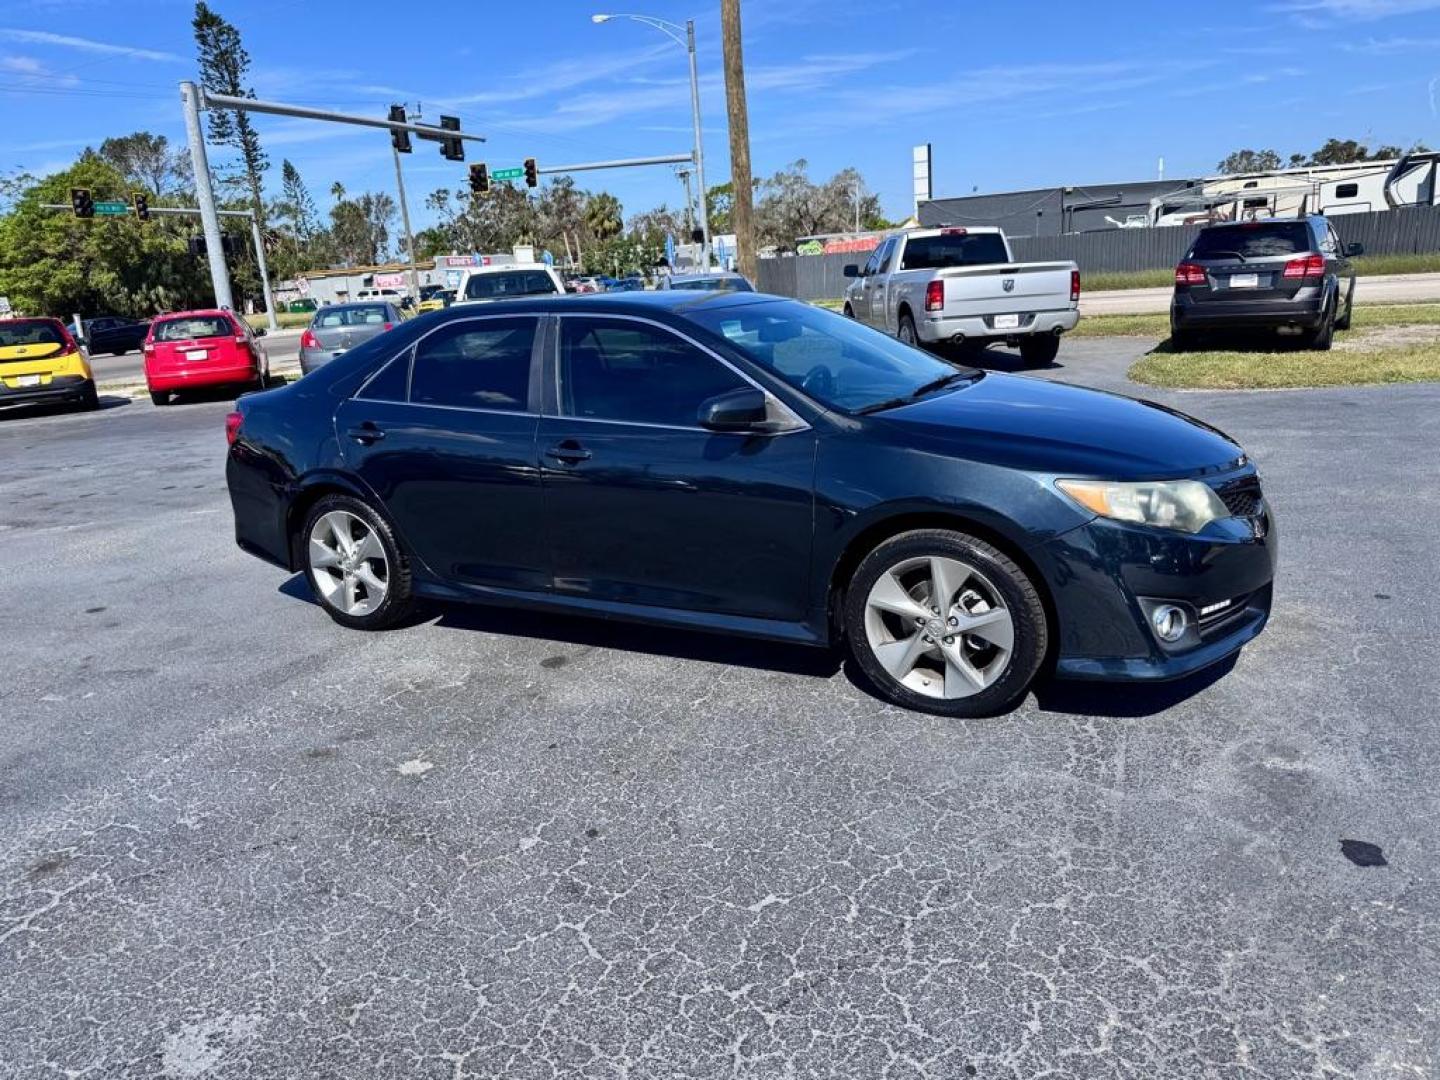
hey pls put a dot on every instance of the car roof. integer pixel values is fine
(379, 301)
(622, 303)
(497, 268)
(192, 314)
(707, 275)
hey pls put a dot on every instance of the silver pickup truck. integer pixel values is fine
(933, 287)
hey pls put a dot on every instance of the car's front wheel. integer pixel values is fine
(943, 622)
(355, 565)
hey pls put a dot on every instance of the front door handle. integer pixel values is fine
(366, 433)
(569, 451)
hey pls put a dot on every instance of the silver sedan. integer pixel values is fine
(339, 327)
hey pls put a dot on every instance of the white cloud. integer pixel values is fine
(1318, 13)
(1388, 46)
(35, 73)
(64, 41)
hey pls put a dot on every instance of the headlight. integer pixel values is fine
(1187, 505)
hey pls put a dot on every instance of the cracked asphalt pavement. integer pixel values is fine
(239, 841)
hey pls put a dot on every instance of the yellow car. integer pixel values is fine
(40, 362)
(438, 301)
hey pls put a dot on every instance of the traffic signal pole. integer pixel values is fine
(405, 221)
(205, 198)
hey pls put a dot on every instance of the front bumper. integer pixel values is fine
(1188, 314)
(1104, 575)
(59, 388)
(940, 328)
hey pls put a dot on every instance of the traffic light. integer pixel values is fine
(81, 202)
(399, 139)
(451, 148)
(479, 179)
(532, 173)
(141, 202)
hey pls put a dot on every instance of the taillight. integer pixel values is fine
(1189, 274)
(389, 326)
(308, 340)
(241, 339)
(1074, 285)
(1305, 267)
(148, 346)
(935, 295)
(232, 428)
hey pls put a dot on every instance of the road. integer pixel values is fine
(283, 347)
(1378, 289)
(239, 841)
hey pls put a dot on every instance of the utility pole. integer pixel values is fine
(405, 221)
(205, 197)
(742, 205)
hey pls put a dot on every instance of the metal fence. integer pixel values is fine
(1393, 232)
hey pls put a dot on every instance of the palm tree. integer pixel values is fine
(337, 191)
(603, 216)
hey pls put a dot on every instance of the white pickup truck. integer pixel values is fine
(933, 287)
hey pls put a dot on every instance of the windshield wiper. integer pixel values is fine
(918, 392)
(1227, 251)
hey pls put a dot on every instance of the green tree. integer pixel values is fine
(1249, 161)
(149, 162)
(297, 204)
(54, 263)
(224, 65)
(603, 216)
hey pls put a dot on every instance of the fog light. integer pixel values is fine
(1169, 622)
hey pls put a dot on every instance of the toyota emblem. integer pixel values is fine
(1008, 284)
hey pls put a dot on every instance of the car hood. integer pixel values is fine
(1050, 427)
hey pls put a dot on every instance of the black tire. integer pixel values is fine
(905, 330)
(1039, 350)
(159, 398)
(89, 398)
(1031, 632)
(1343, 323)
(849, 312)
(399, 600)
(1323, 336)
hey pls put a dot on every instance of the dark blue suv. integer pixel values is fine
(749, 465)
(1288, 277)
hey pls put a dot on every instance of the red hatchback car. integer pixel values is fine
(187, 350)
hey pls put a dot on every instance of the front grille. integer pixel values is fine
(1243, 498)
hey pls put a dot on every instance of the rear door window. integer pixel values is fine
(475, 364)
(194, 328)
(1256, 241)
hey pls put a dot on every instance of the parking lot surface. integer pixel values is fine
(237, 840)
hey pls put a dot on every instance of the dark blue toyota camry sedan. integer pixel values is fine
(741, 463)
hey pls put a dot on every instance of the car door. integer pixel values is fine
(860, 288)
(642, 505)
(445, 437)
(879, 308)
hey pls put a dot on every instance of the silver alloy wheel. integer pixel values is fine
(907, 331)
(939, 627)
(348, 564)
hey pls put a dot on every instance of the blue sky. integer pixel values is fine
(1011, 95)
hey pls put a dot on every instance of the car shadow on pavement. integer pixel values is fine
(17, 412)
(1122, 700)
(1007, 362)
(595, 632)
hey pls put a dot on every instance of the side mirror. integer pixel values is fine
(1354, 249)
(738, 410)
(851, 270)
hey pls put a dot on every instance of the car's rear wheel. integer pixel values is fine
(89, 397)
(906, 330)
(1039, 350)
(159, 397)
(849, 312)
(1321, 338)
(943, 622)
(355, 565)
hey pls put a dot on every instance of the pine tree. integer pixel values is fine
(298, 200)
(224, 64)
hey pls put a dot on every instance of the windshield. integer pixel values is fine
(1252, 241)
(31, 332)
(365, 315)
(507, 284)
(957, 248)
(826, 356)
(196, 326)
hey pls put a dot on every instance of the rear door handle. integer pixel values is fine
(366, 433)
(569, 451)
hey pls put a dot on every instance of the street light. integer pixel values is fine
(674, 32)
